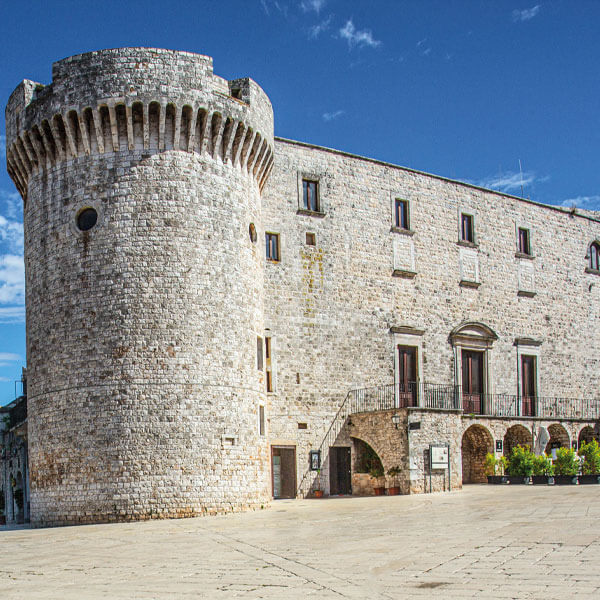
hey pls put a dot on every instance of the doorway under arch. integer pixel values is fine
(517, 435)
(559, 438)
(477, 441)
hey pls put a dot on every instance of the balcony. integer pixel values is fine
(450, 397)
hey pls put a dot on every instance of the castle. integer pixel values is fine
(217, 317)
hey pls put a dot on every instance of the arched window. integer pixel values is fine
(594, 255)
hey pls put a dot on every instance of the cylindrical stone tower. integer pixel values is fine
(141, 174)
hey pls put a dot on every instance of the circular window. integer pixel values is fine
(86, 219)
(252, 231)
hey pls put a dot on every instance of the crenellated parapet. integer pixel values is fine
(84, 113)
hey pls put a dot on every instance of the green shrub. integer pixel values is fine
(520, 462)
(590, 453)
(566, 462)
(490, 464)
(542, 465)
(376, 472)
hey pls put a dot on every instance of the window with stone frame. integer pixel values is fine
(272, 246)
(594, 257)
(524, 241)
(467, 228)
(310, 195)
(401, 214)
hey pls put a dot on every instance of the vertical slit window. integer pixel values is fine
(259, 353)
(268, 364)
(261, 420)
(595, 256)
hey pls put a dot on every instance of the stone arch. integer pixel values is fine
(360, 446)
(477, 441)
(517, 435)
(586, 435)
(559, 438)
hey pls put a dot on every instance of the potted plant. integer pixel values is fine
(543, 469)
(394, 472)
(566, 467)
(494, 469)
(590, 453)
(378, 473)
(520, 465)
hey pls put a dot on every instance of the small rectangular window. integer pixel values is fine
(310, 195)
(272, 246)
(524, 244)
(467, 233)
(261, 420)
(401, 214)
(311, 239)
(259, 353)
(302, 425)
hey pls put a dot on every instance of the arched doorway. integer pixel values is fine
(477, 441)
(517, 435)
(586, 435)
(559, 438)
(365, 464)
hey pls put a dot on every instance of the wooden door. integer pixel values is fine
(472, 381)
(528, 383)
(340, 481)
(283, 471)
(407, 376)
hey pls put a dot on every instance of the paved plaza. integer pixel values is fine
(481, 542)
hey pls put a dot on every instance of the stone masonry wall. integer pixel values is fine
(330, 307)
(144, 391)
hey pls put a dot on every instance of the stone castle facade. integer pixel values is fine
(203, 297)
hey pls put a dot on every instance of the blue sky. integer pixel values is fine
(460, 89)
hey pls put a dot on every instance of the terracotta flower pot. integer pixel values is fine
(394, 490)
(379, 491)
(318, 493)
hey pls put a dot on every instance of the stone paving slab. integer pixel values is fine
(482, 542)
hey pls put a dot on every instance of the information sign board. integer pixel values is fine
(439, 457)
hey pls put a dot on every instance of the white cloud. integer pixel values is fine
(585, 202)
(12, 314)
(314, 5)
(330, 116)
(9, 356)
(424, 47)
(12, 280)
(319, 28)
(5, 379)
(510, 182)
(280, 6)
(526, 14)
(356, 37)
(13, 205)
(11, 234)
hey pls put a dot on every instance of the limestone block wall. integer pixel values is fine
(331, 307)
(144, 391)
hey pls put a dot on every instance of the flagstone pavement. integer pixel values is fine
(481, 542)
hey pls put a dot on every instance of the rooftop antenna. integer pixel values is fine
(521, 172)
